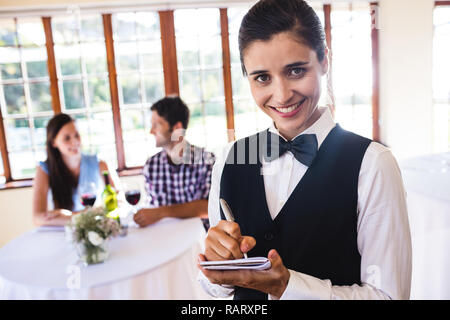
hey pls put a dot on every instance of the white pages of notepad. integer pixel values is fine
(254, 263)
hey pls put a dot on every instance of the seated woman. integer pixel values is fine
(58, 179)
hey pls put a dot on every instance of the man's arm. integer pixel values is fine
(196, 208)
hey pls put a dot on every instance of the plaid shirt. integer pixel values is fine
(168, 183)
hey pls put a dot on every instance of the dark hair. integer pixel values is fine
(172, 109)
(270, 17)
(62, 181)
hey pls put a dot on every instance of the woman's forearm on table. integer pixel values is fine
(57, 217)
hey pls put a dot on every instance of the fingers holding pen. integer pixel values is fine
(225, 242)
(219, 245)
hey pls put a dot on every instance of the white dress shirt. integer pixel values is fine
(383, 235)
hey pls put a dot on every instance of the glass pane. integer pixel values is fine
(212, 83)
(91, 28)
(187, 53)
(8, 35)
(211, 51)
(151, 55)
(106, 153)
(22, 164)
(65, 29)
(124, 26)
(95, 57)
(190, 86)
(83, 128)
(127, 59)
(18, 134)
(99, 93)
(147, 25)
(41, 99)
(235, 16)
(36, 61)
(133, 125)
(40, 131)
(196, 133)
(15, 99)
(215, 108)
(10, 63)
(234, 49)
(69, 59)
(31, 32)
(73, 94)
(130, 89)
(241, 86)
(216, 133)
(154, 87)
(40, 155)
(137, 152)
(352, 67)
(245, 121)
(206, 22)
(102, 128)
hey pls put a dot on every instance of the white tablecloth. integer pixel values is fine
(156, 262)
(427, 183)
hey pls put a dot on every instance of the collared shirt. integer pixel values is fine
(383, 235)
(167, 183)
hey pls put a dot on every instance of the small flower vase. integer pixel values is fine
(90, 254)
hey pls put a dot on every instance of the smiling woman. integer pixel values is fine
(318, 249)
(287, 88)
(60, 180)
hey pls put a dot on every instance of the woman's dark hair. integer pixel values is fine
(270, 17)
(172, 109)
(62, 181)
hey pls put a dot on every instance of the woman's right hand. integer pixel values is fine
(225, 242)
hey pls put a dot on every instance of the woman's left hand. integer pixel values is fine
(272, 281)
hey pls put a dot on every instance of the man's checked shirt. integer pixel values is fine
(167, 183)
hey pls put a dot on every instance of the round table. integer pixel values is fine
(156, 262)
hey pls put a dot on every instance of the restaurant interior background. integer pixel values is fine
(390, 81)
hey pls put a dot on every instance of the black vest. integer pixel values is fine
(315, 231)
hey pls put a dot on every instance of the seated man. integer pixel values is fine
(178, 178)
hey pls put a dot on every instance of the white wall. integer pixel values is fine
(15, 213)
(406, 40)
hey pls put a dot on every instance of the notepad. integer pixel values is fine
(254, 263)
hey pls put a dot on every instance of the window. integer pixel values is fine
(441, 79)
(352, 66)
(200, 74)
(24, 93)
(137, 43)
(83, 80)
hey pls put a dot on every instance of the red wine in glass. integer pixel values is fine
(88, 199)
(133, 196)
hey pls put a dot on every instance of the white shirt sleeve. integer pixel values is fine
(384, 239)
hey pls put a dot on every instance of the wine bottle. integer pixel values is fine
(109, 197)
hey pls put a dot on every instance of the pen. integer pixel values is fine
(228, 214)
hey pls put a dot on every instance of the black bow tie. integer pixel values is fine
(303, 147)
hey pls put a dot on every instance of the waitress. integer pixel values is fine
(326, 206)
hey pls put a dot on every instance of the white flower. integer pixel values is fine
(94, 238)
